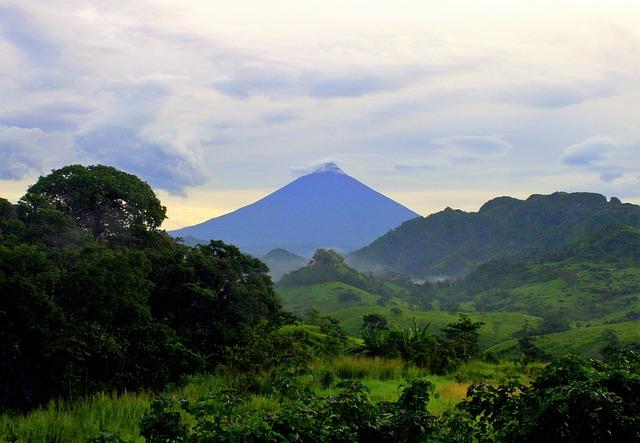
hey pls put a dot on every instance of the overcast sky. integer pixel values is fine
(217, 103)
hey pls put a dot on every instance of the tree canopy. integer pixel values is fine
(106, 201)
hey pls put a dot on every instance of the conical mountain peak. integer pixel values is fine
(324, 209)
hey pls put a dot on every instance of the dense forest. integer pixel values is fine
(101, 309)
(454, 242)
(95, 297)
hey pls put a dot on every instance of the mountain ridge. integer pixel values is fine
(453, 242)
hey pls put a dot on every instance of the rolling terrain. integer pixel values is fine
(564, 299)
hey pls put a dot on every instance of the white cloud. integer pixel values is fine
(609, 157)
(473, 146)
(21, 151)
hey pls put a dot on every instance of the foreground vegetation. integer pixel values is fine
(361, 399)
(121, 414)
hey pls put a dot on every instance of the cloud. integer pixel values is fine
(590, 152)
(556, 93)
(411, 167)
(164, 162)
(327, 163)
(273, 79)
(609, 177)
(21, 30)
(45, 68)
(279, 116)
(608, 156)
(50, 117)
(21, 151)
(473, 146)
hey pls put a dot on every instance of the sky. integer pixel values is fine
(217, 103)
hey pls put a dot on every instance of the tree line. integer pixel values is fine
(95, 296)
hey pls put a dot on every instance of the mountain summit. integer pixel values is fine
(324, 209)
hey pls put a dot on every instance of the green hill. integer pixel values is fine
(349, 304)
(327, 266)
(583, 340)
(454, 242)
(593, 278)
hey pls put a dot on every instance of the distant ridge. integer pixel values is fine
(454, 242)
(281, 262)
(324, 209)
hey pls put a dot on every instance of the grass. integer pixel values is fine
(580, 289)
(499, 326)
(584, 340)
(81, 420)
(71, 422)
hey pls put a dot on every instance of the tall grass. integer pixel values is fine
(78, 421)
(367, 367)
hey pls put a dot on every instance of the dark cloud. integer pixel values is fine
(610, 176)
(257, 80)
(164, 163)
(611, 158)
(263, 78)
(355, 85)
(50, 117)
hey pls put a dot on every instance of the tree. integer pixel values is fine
(211, 295)
(376, 321)
(104, 200)
(463, 335)
(33, 344)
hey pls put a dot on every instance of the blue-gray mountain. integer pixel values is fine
(324, 209)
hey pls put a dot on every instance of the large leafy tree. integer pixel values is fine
(106, 201)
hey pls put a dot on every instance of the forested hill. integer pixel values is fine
(596, 277)
(453, 242)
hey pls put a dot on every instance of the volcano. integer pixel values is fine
(324, 209)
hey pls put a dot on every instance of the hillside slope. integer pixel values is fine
(454, 242)
(596, 277)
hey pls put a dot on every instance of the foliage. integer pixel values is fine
(108, 202)
(94, 297)
(597, 276)
(419, 346)
(347, 416)
(574, 399)
(454, 242)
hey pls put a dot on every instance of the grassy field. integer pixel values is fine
(584, 340)
(79, 421)
(581, 290)
(498, 326)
